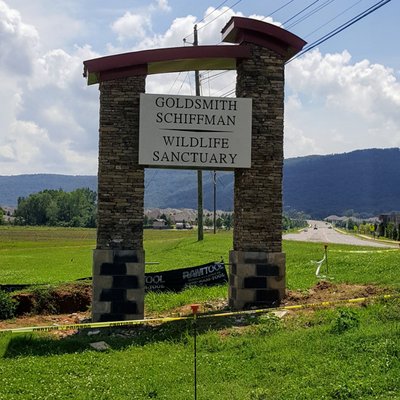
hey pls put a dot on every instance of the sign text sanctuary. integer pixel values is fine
(194, 131)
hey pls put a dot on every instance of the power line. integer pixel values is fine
(321, 39)
(219, 15)
(332, 19)
(320, 7)
(224, 88)
(229, 93)
(278, 9)
(183, 81)
(215, 9)
(341, 28)
(177, 77)
(212, 77)
(300, 12)
(150, 180)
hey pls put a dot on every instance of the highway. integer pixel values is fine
(319, 231)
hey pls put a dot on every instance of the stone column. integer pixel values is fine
(118, 263)
(257, 270)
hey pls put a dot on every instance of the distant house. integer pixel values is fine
(335, 219)
(390, 217)
(8, 214)
(160, 224)
(183, 225)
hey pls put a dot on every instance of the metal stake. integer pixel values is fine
(195, 308)
(326, 259)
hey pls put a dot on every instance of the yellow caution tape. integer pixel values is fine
(91, 325)
(94, 325)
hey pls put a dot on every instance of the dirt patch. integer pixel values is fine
(328, 291)
(63, 299)
(47, 320)
(72, 302)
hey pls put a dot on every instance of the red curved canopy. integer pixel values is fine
(238, 30)
(157, 61)
(241, 30)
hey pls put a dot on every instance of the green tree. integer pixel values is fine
(350, 224)
(389, 232)
(58, 208)
(32, 210)
(227, 220)
(1, 216)
(208, 221)
(167, 219)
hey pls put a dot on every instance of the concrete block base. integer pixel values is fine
(118, 285)
(256, 279)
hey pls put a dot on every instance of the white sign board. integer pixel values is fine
(194, 131)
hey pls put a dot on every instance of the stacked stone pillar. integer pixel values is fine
(118, 262)
(257, 264)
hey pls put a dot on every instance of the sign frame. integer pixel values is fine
(195, 132)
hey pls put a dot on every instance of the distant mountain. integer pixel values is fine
(14, 186)
(367, 181)
(178, 189)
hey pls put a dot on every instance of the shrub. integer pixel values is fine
(7, 305)
(347, 319)
(44, 300)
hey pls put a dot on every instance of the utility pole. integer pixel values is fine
(199, 172)
(215, 200)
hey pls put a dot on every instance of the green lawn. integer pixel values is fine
(342, 353)
(330, 354)
(45, 255)
(52, 255)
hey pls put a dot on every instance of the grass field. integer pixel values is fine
(338, 353)
(52, 255)
(329, 354)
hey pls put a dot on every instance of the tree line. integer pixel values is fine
(58, 208)
(389, 230)
(79, 207)
(224, 221)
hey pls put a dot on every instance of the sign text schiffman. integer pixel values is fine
(194, 131)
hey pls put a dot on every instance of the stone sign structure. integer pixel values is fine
(257, 264)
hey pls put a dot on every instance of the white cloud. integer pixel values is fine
(18, 42)
(55, 22)
(49, 117)
(29, 148)
(163, 5)
(345, 106)
(131, 26)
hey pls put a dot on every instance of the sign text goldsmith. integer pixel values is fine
(194, 131)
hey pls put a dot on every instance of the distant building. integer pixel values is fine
(390, 217)
(160, 224)
(336, 220)
(183, 225)
(8, 214)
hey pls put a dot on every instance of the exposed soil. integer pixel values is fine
(328, 291)
(72, 302)
(68, 298)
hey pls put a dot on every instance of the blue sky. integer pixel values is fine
(342, 96)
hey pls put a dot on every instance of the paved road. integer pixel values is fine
(326, 234)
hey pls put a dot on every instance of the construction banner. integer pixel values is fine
(210, 274)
